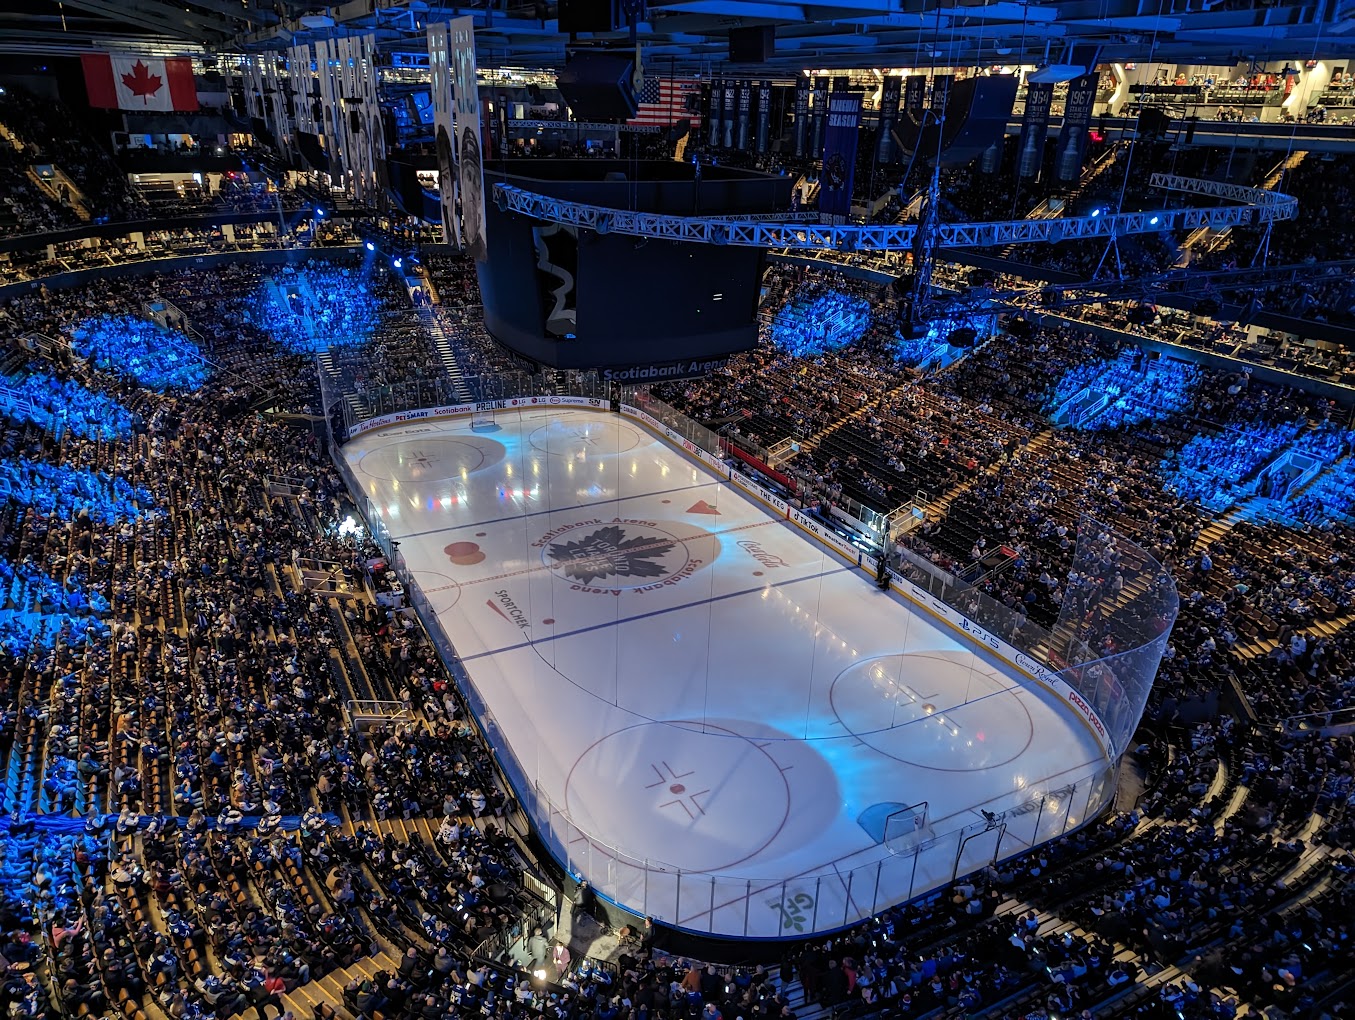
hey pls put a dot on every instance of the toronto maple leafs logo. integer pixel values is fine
(611, 552)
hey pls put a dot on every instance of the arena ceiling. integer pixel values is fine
(693, 34)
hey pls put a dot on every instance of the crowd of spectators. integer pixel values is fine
(47, 133)
(193, 688)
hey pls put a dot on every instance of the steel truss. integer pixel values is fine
(1260, 206)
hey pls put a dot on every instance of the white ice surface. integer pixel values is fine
(703, 750)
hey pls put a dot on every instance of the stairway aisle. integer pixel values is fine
(433, 323)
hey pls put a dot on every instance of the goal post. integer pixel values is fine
(906, 827)
(481, 421)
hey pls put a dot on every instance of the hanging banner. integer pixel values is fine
(440, 68)
(839, 154)
(1034, 128)
(128, 81)
(764, 115)
(364, 137)
(801, 115)
(890, 93)
(469, 150)
(745, 115)
(727, 115)
(717, 99)
(327, 59)
(941, 84)
(914, 92)
(1077, 121)
(820, 100)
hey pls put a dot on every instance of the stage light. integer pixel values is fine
(397, 263)
(369, 246)
(1096, 212)
(319, 213)
(1152, 222)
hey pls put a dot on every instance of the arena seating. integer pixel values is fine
(167, 662)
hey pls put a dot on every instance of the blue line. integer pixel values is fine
(656, 612)
(556, 510)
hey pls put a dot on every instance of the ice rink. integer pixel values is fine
(725, 725)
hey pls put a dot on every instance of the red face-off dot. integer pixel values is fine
(757, 573)
(665, 501)
(464, 554)
(677, 788)
(547, 621)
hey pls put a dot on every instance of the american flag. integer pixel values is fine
(665, 101)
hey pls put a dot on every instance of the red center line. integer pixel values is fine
(656, 544)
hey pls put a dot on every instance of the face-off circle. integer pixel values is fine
(579, 440)
(443, 591)
(618, 555)
(939, 710)
(431, 459)
(678, 790)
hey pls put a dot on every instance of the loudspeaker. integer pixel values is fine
(599, 86)
(977, 111)
(752, 45)
(589, 16)
(355, 122)
(533, 93)
(963, 337)
(1190, 128)
(1020, 328)
(1153, 123)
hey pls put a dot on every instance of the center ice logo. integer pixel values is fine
(612, 551)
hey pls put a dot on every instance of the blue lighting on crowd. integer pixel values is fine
(36, 869)
(1128, 391)
(317, 308)
(67, 492)
(62, 404)
(156, 358)
(1211, 466)
(41, 609)
(812, 324)
(915, 351)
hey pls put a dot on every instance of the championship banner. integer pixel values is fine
(914, 92)
(1077, 121)
(764, 115)
(839, 154)
(727, 115)
(745, 112)
(820, 113)
(890, 93)
(466, 120)
(801, 115)
(440, 67)
(941, 84)
(1034, 128)
(131, 82)
(717, 99)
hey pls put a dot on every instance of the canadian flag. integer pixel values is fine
(130, 82)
